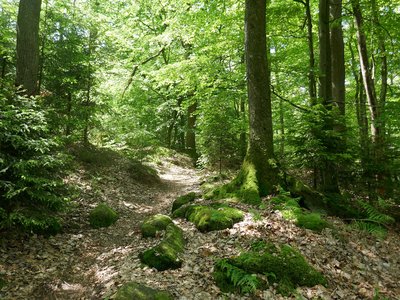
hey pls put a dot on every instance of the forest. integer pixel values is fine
(212, 149)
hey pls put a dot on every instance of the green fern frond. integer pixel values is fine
(245, 282)
(372, 228)
(374, 215)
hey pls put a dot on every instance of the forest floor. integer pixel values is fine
(85, 263)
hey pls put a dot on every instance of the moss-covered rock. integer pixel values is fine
(166, 255)
(153, 224)
(312, 221)
(291, 210)
(182, 200)
(210, 217)
(133, 290)
(102, 216)
(284, 266)
(244, 187)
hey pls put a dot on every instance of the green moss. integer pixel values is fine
(133, 290)
(244, 187)
(102, 216)
(3, 282)
(291, 210)
(153, 224)
(181, 212)
(209, 218)
(182, 200)
(311, 221)
(284, 266)
(166, 254)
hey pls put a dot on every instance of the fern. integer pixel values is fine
(375, 222)
(374, 215)
(243, 281)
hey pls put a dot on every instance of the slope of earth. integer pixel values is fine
(85, 263)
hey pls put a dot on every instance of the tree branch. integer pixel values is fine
(136, 67)
(288, 101)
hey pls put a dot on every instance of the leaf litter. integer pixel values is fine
(85, 263)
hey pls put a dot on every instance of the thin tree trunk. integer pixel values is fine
(43, 47)
(312, 85)
(368, 81)
(243, 139)
(28, 46)
(190, 139)
(69, 112)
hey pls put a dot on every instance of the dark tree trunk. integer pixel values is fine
(261, 150)
(28, 46)
(328, 172)
(337, 46)
(312, 85)
(325, 65)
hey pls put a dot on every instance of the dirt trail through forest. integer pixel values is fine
(85, 263)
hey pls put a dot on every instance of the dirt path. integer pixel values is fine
(86, 263)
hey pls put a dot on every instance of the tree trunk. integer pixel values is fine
(328, 172)
(368, 81)
(325, 65)
(312, 85)
(261, 151)
(337, 46)
(28, 46)
(190, 139)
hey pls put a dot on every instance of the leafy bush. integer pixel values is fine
(102, 216)
(31, 191)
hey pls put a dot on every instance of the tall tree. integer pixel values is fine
(337, 53)
(28, 45)
(368, 80)
(329, 180)
(261, 148)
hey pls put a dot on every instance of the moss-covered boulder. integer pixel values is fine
(182, 200)
(284, 266)
(312, 221)
(212, 217)
(136, 291)
(166, 255)
(102, 216)
(291, 210)
(153, 224)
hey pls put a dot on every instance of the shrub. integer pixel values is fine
(102, 216)
(31, 188)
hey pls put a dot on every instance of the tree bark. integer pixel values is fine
(260, 151)
(190, 138)
(337, 46)
(325, 65)
(312, 85)
(28, 46)
(328, 172)
(368, 81)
